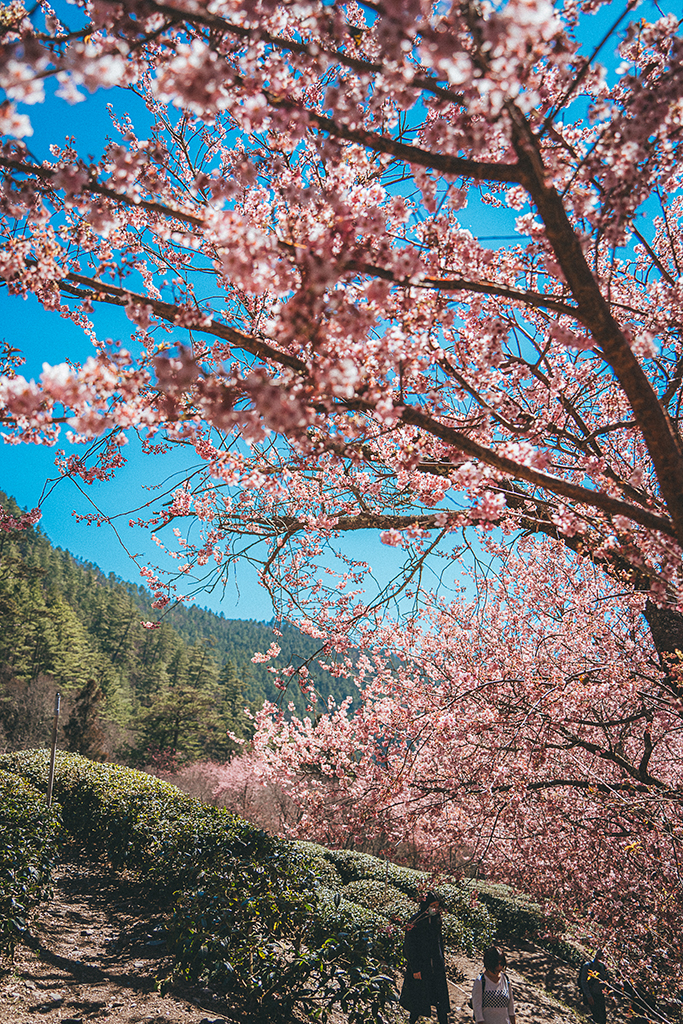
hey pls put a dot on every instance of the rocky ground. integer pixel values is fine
(95, 953)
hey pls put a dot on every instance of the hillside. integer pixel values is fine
(96, 948)
(137, 694)
(150, 920)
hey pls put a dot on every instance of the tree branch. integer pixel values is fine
(452, 165)
(456, 284)
(92, 185)
(117, 296)
(654, 422)
(556, 485)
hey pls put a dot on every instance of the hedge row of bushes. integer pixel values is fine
(390, 891)
(28, 838)
(277, 924)
(518, 916)
(136, 821)
(515, 914)
(353, 865)
(245, 917)
(478, 912)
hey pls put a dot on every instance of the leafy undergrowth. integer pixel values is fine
(97, 951)
(279, 929)
(28, 845)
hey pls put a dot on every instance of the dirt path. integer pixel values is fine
(96, 953)
(528, 969)
(94, 956)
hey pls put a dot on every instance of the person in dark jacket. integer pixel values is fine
(593, 981)
(425, 982)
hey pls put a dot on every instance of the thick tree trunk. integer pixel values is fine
(666, 628)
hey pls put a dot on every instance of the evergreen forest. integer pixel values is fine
(160, 697)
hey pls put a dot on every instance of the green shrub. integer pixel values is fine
(375, 895)
(515, 914)
(362, 907)
(413, 883)
(458, 937)
(567, 950)
(388, 901)
(463, 904)
(247, 930)
(469, 928)
(400, 910)
(383, 938)
(28, 841)
(353, 865)
(324, 870)
(242, 908)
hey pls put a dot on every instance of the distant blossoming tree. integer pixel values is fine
(293, 237)
(529, 737)
(241, 785)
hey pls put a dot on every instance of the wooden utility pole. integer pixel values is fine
(53, 753)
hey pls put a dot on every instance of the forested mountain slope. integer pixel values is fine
(171, 692)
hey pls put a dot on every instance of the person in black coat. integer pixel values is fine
(425, 982)
(593, 981)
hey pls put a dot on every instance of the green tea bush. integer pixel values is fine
(469, 928)
(486, 910)
(400, 910)
(28, 840)
(323, 868)
(366, 903)
(353, 865)
(227, 930)
(413, 883)
(247, 931)
(515, 914)
(384, 939)
(391, 890)
(458, 937)
(137, 821)
(567, 950)
(463, 904)
(376, 895)
(468, 925)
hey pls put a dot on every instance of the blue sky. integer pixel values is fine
(27, 472)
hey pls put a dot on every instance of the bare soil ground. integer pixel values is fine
(543, 986)
(96, 953)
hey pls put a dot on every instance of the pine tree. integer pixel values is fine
(232, 690)
(83, 731)
(70, 655)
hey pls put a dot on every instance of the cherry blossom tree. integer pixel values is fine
(241, 785)
(293, 241)
(294, 236)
